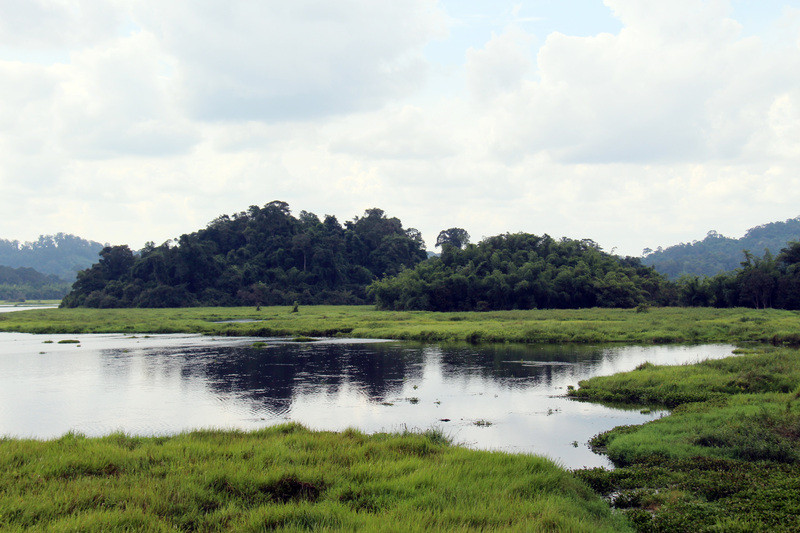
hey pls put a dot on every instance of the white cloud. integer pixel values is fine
(178, 112)
(501, 65)
(676, 84)
(47, 24)
(289, 60)
(117, 100)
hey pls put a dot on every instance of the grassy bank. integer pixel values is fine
(658, 325)
(726, 459)
(286, 478)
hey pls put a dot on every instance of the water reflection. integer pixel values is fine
(495, 397)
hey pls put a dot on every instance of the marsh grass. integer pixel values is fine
(766, 370)
(658, 325)
(286, 478)
(726, 459)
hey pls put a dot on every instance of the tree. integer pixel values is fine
(457, 237)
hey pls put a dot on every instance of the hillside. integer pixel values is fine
(62, 255)
(264, 256)
(25, 283)
(717, 253)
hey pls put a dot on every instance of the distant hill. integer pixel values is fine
(717, 253)
(25, 283)
(62, 255)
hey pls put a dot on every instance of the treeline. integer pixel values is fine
(263, 256)
(760, 282)
(267, 256)
(523, 271)
(61, 255)
(717, 253)
(20, 284)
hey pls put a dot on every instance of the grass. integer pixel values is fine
(726, 459)
(763, 370)
(287, 478)
(659, 325)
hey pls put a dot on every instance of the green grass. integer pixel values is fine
(286, 478)
(659, 325)
(763, 370)
(726, 459)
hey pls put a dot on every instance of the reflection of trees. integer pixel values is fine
(271, 376)
(511, 363)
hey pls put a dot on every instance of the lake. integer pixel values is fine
(505, 397)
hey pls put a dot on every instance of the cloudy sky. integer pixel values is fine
(636, 123)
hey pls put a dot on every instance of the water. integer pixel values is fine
(23, 307)
(508, 398)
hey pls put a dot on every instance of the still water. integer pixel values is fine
(508, 398)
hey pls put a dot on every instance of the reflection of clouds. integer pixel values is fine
(167, 384)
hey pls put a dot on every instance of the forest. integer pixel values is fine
(523, 271)
(717, 253)
(262, 256)
(61, 255)
(24, 283)
(759, 282)
(267, 256)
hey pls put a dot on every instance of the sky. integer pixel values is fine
(635, 123)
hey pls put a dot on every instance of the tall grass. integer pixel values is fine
(286, 478)
(726, 459)
(659, 325)
(767, 370)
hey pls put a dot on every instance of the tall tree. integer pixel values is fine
(457, 237)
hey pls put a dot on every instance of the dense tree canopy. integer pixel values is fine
(522, 271)
(760, 282)
(62, 254)
(25, 283)
(262, 256)
(457, 237)
(717, 253)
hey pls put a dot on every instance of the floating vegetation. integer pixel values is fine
(69, 341)
(482, 423)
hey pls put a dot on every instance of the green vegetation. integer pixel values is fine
(61, 255)
(286, 478)
(659, 325)
(717, 253)
(24, 283)
(760, 282)
(522, 271)
(264, 256)
(763, 371)
(726, 459)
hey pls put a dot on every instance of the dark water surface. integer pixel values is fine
(507, 398)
